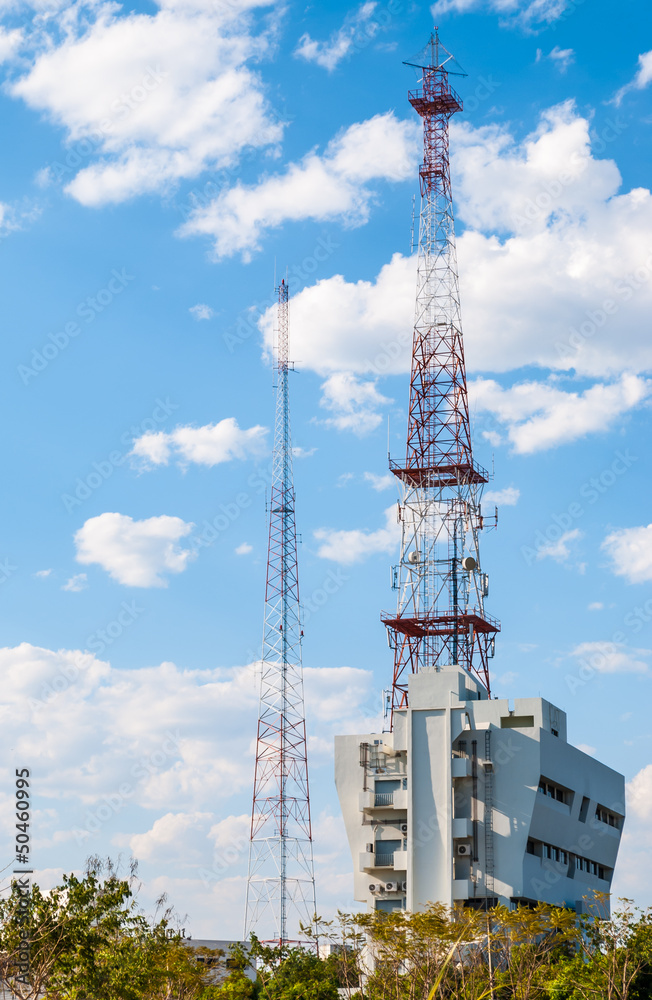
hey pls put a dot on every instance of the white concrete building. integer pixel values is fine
(471, 800)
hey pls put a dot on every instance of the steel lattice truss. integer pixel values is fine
(440, 617)
(281, 882)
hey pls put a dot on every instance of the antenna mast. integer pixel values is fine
(281, 880)
(440, 618)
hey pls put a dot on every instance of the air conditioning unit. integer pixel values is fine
(391, 886)
(373, 887)
(464, 850)
(402, 886)
(404, 827)
(370, 848)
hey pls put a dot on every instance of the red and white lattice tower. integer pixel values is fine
(440, 617)
(281, 881)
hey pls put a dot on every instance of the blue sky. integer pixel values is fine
(160, 165)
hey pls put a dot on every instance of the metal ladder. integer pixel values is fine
(488, 817)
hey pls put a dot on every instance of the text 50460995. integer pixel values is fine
(23, 868)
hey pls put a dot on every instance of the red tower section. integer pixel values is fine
(440, 618)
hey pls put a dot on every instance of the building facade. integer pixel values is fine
(469, 800)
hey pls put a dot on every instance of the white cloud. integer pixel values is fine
(639, 793)
(506, 680)
(612, 657)
(523, 13)
(76, 583)
(161, 842)
(329, 54)
(244, 549)
(559, 550)
(363, 327)
(632, 876)
(630, 551)
(230, 831)
(148, 739)
(595, 606)
(642, 78)
(507, 497)
(14, 218)
(538, 415)
(353, 403)
(562, 58)
(201, 311)
(135, 553)
(380, 483)
(208, 445)
(555, 265)
(10, 42)
(299, 452)
(157, 97)
(585, 748)
(328, 186)
(42, 573)
(355, 545)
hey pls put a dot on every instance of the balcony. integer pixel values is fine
(371, 800)
(370, 862)
(462, 888)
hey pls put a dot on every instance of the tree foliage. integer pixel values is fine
(88, 940)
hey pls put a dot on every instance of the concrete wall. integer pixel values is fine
(432, 750)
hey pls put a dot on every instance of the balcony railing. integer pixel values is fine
(384, 860)
(383, 798)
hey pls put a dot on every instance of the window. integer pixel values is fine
(554, 791)
(547, 851)
(517, 722)
(607, 816)
(387, 905)
(592, 868)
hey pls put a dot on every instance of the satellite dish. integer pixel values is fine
(469, 562)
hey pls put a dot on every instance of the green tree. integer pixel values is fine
(613, 960)
(294, 973)
(87, 940)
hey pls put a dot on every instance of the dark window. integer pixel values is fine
(517, 722)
